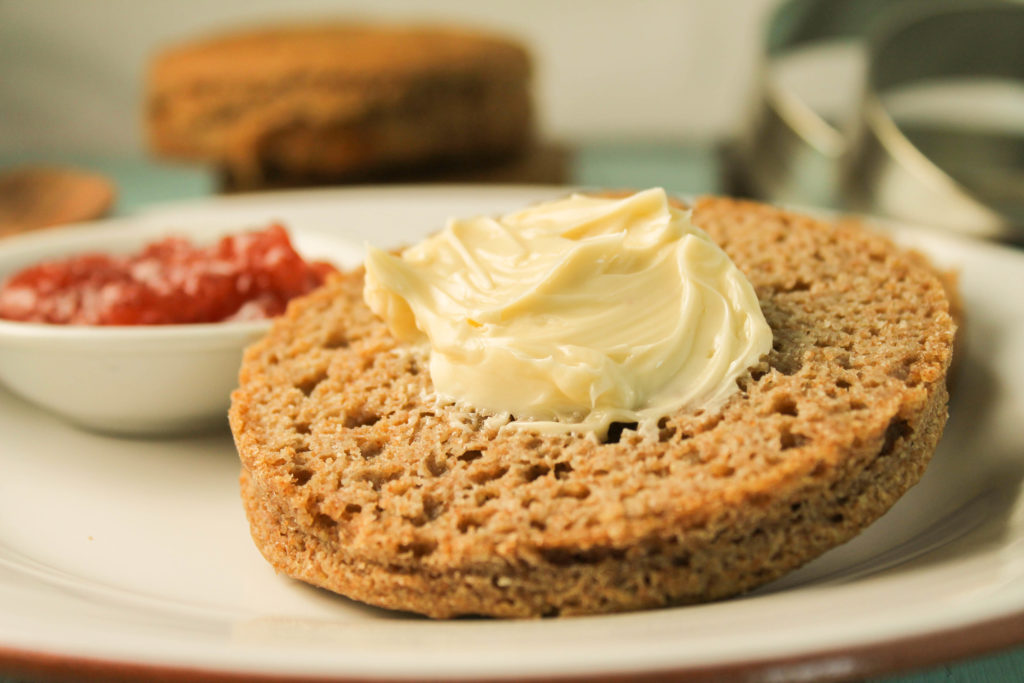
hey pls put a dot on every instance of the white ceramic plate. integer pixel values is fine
(133, 557)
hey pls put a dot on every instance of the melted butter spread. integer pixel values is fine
(575, 313)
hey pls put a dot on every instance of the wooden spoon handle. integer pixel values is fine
(40, 197)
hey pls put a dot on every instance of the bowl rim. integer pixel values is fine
(14, 330)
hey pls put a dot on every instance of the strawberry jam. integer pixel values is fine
(242, 277)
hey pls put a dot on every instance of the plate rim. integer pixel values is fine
(885, 657)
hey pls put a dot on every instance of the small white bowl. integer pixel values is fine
(134, 380)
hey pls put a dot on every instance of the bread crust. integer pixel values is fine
(355, 479)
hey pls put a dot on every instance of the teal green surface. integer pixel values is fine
(1006, 667)
(684, 169)
(139, 182)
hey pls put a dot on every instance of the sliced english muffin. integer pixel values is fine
(358, 479)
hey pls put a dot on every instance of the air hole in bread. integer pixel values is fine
(488, 472)
(898, 429)
(857, 404)
(432, 508)
(843, 384)
(469, 522)
(615, 430)
(363, 418)
(535, 471)
(370, 449)
(681, 560)
(418, 548)
(798, 286)
(337, 339)
(471, 455)
(902, 371)
(562, 469)
(324, 522)
(301, 428)
(898, 372)
(785, 405)
(789, 439)
(301, 475)
(436, 464)
(307, 385)
(788, 365)
(837, 518)
(353, 509)
(378, 477)
(538, 524)
(665, 430)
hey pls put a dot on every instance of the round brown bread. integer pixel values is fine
(355, 478)
(335, 101)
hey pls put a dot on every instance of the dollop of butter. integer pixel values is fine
(575, 313)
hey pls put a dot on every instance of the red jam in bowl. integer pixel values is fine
(248, 276)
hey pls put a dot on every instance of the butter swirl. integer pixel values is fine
(575, 313)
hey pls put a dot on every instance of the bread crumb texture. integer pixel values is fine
(356, 479)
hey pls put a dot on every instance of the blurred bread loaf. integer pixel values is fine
(339, 102)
